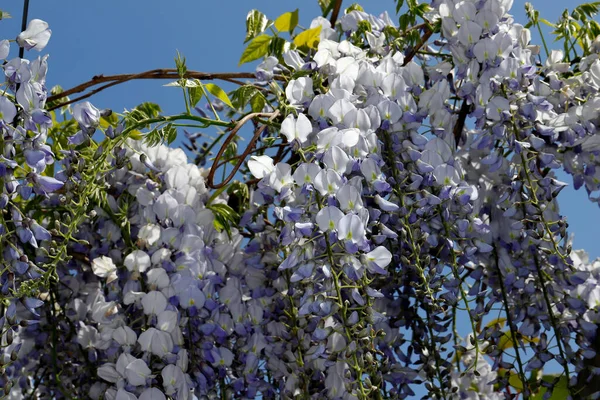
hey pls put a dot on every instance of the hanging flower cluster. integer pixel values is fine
(411, 241)
(154, 289)
(422, 187)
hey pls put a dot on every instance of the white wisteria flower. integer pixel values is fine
(296, 129)
(36, 36)
(104, 267)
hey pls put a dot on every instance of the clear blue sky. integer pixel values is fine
(111, 37)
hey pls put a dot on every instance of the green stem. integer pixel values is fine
(511, 325)
(185, 97)
(209, 102)
(537, 24)
(540, 273)
(464, 297)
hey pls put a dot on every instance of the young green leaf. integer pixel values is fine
(195, 95)
(399, 4)
(241, 96)
(287, 22)
(506, 341)
(168, 134)
(109, 120)
(515, 381)
(258, 102)
(278, 46)
(309, 38)
(135, 134)
(326, 6)
(218, 93)
(144, 111)
(560, 389)
(256, 23)
(225, 216)
(215, 195)
(354, 7)
(545, 21)
(150, 110)
(257, 48)
(180, 65)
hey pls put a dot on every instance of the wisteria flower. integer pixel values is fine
(36, 36)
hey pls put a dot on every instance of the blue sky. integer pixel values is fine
(111, 37)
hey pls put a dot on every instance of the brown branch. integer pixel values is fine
(280, 154)
(335, 12)
(280, 145)
(85, 96)
(164, 73)
(460, 122)
(418, 26)
(415, 50)
(234, 131)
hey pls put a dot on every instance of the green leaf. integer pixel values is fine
(515, 381)
(218, 93)
(257, 48)
(354, 7)
(144, 111)
(364, 26)
(421, 9)
(506, 341)
(224, 210)
(215, 195)
(560, 388)
(135, 134)
(588, 9)
(256, 23)
(287, 22)
(399, 4)
(258, 102)
(278, 46)
(180, 65)
(167, 133)
(225, 216)
(150, 110)
(238, 196)
(170, 133)
(248, 94)
(594, 28)
(109, 120)
(326, 6)
(404, 21)
(545, 21)
(309, 38)
(531, 13)
(195, 95)
(242, 96)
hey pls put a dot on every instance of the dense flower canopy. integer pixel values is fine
(399, 232)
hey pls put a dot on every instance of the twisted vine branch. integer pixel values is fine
(162, 73)
(248, 150)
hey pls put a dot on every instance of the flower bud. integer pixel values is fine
(9, 333)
